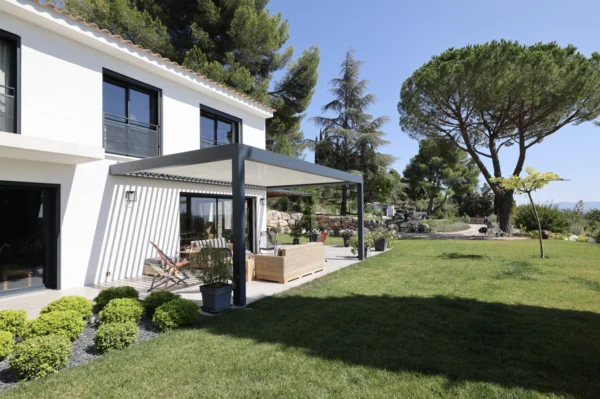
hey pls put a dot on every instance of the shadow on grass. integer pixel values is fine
(547, 350)
(457, 255)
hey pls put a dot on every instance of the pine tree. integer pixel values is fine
(439, 171)
(351, 139)
(238, 43)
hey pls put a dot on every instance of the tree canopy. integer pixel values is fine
(439, 171)
(350, 140)
(238, 43)
(486, 97)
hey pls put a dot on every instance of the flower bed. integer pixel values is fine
(83, 346)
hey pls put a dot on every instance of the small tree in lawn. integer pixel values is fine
(526, 185)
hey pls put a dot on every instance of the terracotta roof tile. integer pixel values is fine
(148, 51)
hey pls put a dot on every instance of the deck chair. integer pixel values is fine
(268, 242)
(166, 274)
(323, 237)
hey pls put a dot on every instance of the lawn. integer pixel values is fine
(287, 239)
(429, 319)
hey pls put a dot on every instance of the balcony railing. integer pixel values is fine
(208, 143)
(126, 136)
(7, 109)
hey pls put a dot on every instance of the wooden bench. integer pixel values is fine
(293, 263)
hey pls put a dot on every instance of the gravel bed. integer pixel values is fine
(83, 348)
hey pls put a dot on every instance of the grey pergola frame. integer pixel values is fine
(238, 154)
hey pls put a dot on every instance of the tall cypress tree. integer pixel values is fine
(350, 140)
(238, 43)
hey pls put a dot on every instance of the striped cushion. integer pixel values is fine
(214, 243)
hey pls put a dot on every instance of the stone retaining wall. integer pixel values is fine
(286, 220)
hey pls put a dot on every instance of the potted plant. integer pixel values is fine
(296, 232)
(381, 238)
(314, 235)
(213, 267)
(353, 241)
(346, 235)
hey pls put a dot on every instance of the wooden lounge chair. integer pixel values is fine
(171, 272)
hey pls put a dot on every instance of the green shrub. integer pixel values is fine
(176, 313)
(13, 321)
(7, 343)
(79, 304)
(157, 298)
(64, 322)
(122, 310)
(107, 295)
(115, 336)
(551, 217)
(39, 356)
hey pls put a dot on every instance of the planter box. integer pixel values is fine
(215, 300)
(381, 244)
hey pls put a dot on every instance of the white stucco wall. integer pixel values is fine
(101, 238)
(61, 93)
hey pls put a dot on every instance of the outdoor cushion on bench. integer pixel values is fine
(214, 243)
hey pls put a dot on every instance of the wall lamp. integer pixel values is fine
(130, 196)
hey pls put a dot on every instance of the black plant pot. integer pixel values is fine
(346, 242)
(314, 237)
(215, 300)
(381, 244)
(296, 241)
(367, 251)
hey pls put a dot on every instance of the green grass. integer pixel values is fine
(429, 319)
(447, 226)
(288, 240)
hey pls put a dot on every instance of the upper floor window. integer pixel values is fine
(131, 117)
(9, 46)
(217, 128)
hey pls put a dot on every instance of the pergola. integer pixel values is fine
(243, 165)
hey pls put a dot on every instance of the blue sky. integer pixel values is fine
(393, 38)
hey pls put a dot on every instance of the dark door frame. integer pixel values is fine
(51, 232)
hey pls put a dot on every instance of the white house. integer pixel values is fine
(76, 100)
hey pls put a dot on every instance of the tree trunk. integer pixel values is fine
(539, 225)
(503, 203)
(344, 205)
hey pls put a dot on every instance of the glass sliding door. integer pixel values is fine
(27, 239)
(205, 217)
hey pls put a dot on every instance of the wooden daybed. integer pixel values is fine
(292, 263)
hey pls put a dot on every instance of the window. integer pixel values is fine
(208, 217)
(9, 90)
(217, 128)
(131, 117)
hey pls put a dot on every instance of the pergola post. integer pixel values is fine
(238, 186)
(361, 220)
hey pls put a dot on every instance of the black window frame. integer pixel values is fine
(8, 36)
(156, 109)
(221, 116)
(250, 217)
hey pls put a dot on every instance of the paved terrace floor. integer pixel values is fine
(337, 258)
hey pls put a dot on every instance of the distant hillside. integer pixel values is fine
(586, 205)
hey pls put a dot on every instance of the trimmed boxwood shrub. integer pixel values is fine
(115, 336)
(13, 321)
(176, 313)
(65, 322)
(39, 356)
(107, 295)
(7, 343)
(157, 298)
(121, 310)
(79, 304)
